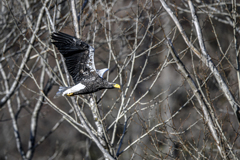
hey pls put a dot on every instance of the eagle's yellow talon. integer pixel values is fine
(69, 94)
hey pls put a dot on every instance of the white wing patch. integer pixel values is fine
(90, 61)
(74, 89)
(101, 72)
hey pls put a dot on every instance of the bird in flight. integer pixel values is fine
(79, 59)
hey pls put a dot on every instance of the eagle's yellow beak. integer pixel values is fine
(116, 86)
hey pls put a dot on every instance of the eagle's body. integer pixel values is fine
(79, 59)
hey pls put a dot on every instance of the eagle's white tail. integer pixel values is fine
(60, 91)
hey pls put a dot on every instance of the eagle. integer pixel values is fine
(79, 59)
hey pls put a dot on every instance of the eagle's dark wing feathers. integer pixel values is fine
(67, 44)
(74, 65)
(76, 53)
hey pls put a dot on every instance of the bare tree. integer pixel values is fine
(177, 63)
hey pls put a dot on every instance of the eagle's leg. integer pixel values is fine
(69, 94)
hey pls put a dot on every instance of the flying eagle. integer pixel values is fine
(79, 59)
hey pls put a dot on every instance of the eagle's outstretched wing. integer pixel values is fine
(79, 56)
